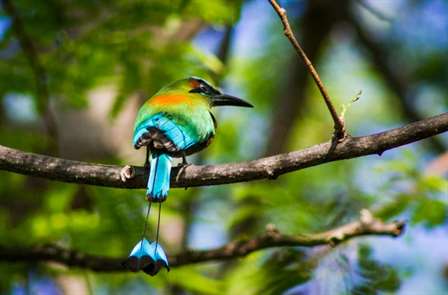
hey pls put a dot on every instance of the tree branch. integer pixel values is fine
(317, 22)
(339, 128)
(366, 225)
(265, 168)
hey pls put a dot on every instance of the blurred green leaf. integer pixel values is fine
(430, 212)
(376, 277)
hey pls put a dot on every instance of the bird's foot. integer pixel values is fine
(184, 159)
(127, 172)
(184, 163)
(182, 166)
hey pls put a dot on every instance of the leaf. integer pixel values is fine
(434, 184)
(375, 276)
(430, 212)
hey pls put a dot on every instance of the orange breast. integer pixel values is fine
(170, 99)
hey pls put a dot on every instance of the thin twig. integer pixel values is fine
(339, 127)
(367, 225)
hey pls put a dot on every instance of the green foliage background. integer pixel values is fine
(131, 49)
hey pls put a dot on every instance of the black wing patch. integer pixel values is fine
(156, 139)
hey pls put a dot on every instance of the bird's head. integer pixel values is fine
(198, 86)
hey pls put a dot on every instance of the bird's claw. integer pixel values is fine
(127, 172)
(183, 165)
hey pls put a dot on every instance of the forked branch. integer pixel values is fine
(339, 127)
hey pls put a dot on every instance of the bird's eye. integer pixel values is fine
(200, 89)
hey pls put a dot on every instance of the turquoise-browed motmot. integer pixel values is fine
(177, 121)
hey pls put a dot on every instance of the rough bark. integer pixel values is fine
(264, 168)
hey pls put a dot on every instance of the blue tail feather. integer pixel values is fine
(159, 177)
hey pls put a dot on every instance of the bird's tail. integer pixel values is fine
(159, 177)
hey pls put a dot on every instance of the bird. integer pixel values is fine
(175, 122)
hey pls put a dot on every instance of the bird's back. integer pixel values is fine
(187, 116)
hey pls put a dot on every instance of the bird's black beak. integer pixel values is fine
(228, 100)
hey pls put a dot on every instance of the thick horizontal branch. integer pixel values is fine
(270, 167)
(367, 225)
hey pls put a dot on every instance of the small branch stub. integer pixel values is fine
(366, 217)
(127, 172)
